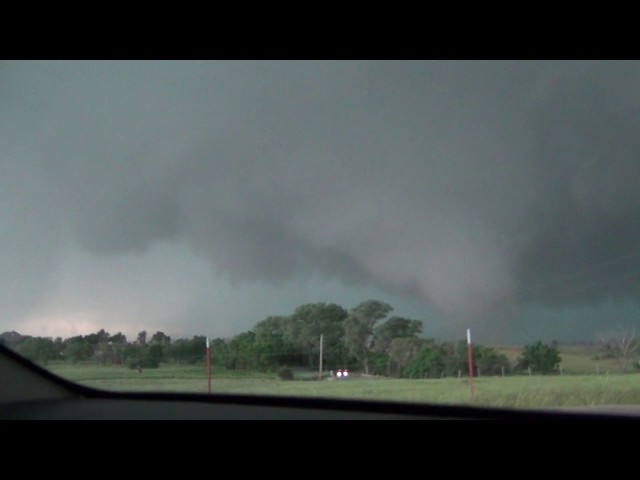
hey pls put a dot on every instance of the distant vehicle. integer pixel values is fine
(343, 374)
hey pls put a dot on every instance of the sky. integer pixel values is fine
(200, 197)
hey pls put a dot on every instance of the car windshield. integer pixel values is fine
(459, 232)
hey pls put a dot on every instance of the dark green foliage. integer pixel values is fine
(396, 340)
(38, 349)
(456, 358)
(540, 358)
(141, 357)
(378, 363)
(490, 362)
(142, 338)
(395, 327)
(159, 338)
(118, 338)
(96, 338)
(359, 331)
(429, 361)
(242, 353)
(273, 345)
(219, 352)
(77, 349)
(303, 329)
(434, 360)
(155, 353)
(400, 352)
(186, 350)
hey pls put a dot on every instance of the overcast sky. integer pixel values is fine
(201, 197)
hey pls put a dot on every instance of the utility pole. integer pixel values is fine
(208, 367)
(469, 350)
(320, 371)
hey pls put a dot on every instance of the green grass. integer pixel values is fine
(510, 391)
(576, 359)
(167, 378)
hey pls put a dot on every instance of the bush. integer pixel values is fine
(541, 358)
(285, 373)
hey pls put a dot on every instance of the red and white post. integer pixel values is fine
(209, 365)
(469, 352)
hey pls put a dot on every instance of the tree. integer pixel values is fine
(400, 352)
(242, 352)
(359, 329)
(489, 361)
(37, 349)
(160, 338)
(396, 327)
(428, 361)
(142, 337)
(154, 354)
(76, 349)
(219, 351)
(96, 338)
(393, 340)
(435, 360)
(540, 358)
(187, 350)
(141, 356)
(119, 338)
(455, 358)
(273, 347)
(160, 343)
(310, 321)
(620, 344)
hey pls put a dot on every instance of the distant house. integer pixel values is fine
(11, 337)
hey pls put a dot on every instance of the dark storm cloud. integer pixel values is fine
(584, 242)
(465, 184)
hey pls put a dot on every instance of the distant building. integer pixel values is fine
(11, 337)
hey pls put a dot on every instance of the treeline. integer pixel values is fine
(106, 349)
(367, 338)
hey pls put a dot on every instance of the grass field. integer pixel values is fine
(510, 391)
(575, 359)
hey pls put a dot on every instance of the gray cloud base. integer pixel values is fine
(470, 186)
